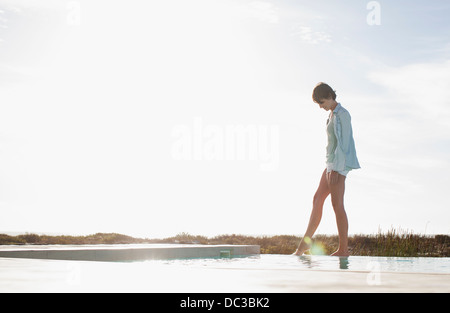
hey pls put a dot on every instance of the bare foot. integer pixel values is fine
(341, 253)
(299, 252)
(302, 248)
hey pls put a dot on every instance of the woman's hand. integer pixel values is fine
(332, 177)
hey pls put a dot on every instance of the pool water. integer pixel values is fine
(259, 273)
(352, 263)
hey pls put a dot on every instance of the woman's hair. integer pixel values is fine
(323, 91)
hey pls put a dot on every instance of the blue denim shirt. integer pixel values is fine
(341, 152)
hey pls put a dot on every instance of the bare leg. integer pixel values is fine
(337, 200)
(316, 215)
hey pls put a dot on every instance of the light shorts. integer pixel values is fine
(343, 173)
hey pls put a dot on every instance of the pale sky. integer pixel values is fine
(152, 118)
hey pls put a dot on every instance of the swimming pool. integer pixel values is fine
(319, 262)
(223, 257)
(263, 273)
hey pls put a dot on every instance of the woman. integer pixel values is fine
(341, 159)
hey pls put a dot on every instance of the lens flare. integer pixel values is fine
(318, 248)
(307, 240)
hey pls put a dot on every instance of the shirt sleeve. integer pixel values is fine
(343, 132)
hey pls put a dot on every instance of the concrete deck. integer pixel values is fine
(32, 275)
(76, 269)
(117, 253)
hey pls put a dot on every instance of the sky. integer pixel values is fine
(153, 118)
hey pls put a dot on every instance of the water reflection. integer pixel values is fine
(344, 262)
(312, 262)
(318, 262)
(307, 260)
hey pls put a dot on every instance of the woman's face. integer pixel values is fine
(326, 104)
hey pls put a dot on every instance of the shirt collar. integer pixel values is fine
(337, 108)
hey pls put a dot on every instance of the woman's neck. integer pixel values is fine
(334, 105)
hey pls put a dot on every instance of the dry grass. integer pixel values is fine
(392, 243)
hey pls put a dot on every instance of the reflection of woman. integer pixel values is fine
(341, 158)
